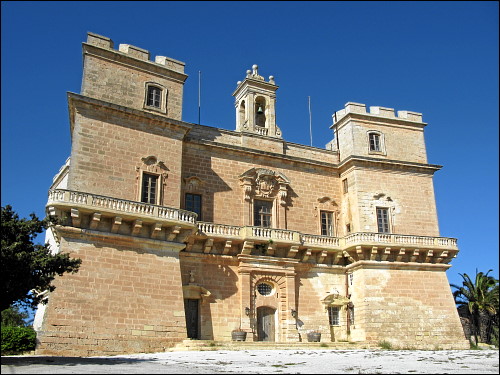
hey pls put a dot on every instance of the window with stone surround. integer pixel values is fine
(151, 180)
(262, 213)
(327, 223)
(155, 97)
(333, 315)
(383, 220)
(149, 188)
(376, 142)
(193, 203)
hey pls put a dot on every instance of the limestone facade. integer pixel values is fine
(190, 231)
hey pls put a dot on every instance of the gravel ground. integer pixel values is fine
(265, 362)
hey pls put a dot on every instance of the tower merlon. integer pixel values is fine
(133, 51)
(351, 107)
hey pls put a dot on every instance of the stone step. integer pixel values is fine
(263, 345)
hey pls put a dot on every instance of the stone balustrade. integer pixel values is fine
(95, 202)
(358, 245)
(400, 240)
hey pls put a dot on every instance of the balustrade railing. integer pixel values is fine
(219, 229)
(120, 205)
(259, 233)
(399, 239)
(323, 241)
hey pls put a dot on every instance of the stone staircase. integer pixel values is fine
(202, 345)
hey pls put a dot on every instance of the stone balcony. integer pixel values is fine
(119, 216)
(106, 214)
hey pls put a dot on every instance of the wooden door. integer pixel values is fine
(265, 323)
(191, 308)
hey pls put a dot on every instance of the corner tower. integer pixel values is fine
(255, 102)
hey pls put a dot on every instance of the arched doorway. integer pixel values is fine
(266, 317)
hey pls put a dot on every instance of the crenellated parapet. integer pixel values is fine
(390, 113)
(135, 52)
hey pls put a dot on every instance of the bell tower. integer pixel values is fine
(255, 102)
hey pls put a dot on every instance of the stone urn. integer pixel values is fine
(314, 336)
(238, 335)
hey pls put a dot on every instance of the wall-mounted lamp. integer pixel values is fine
(294, 313)
(247, 311)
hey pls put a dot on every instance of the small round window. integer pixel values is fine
(265, 289)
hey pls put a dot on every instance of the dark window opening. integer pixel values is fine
(193, 203)
(154, 96)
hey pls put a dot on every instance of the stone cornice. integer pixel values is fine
(74, 100)
(397, 265)
(379, 119)
(115, 239)
(365, 161)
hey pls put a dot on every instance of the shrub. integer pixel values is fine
(18, 339)
(385, 345)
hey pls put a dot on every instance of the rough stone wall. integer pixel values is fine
(314, 284)
(220, 311)
(124, 299)
(410, 308)
(410, 198)
(124, 84)
(223, 196)
(401, 143)
(107, 148)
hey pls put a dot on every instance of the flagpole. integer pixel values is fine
(199, 96)
(310, 120)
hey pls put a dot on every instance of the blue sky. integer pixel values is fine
(437, 58)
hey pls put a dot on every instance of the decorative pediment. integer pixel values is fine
(193, 184)
(152, 164)
(266, 183)
(334, 299)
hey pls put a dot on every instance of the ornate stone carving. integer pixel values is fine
(265, 183)
(193, 184)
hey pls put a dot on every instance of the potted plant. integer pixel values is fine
(314, 336)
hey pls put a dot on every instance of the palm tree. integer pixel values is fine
(481, 298)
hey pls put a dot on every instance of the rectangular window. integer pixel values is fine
(154, 96)
(262, 213)
(327, 223)
(344, 185)
(333, 315)
(374, 142)
(149, 186)
(193, 203)
(348, 228)
(383, 220)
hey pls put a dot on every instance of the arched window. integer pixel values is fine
(241, 113)
(260, 111)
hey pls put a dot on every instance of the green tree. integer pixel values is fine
(27, 268)
(481, 299)
(13, 317)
